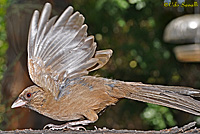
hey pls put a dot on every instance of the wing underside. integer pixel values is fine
(60, 49)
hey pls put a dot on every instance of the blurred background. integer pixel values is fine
(147, 47)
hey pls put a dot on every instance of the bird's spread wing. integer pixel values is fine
(59, 49)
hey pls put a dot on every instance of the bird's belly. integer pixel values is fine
(62, 110)
(60, 114)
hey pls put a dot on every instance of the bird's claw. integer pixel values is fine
(70, 125)
(63, 127)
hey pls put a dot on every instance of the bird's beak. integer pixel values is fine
(18, 103)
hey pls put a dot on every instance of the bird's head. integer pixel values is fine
(32, 97)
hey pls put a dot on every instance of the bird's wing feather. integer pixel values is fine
(61, 50)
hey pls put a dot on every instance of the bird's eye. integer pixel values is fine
(28, 95)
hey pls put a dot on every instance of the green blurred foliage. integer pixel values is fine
(3, 48)
(133, 29)
(158, 117)
(135, 36)
(3, 43)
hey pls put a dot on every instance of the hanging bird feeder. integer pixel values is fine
(185, 30)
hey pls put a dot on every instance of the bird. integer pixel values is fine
(60, 56)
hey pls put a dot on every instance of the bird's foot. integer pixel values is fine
(63, 127)
(69, 125)
(100, 129)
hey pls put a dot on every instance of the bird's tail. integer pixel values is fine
(181, 98)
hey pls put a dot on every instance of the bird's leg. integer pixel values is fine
(69, 125)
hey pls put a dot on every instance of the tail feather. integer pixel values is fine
(171, 96)
(180, 102)
(172, 89)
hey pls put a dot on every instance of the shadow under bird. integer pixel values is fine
(61, 54)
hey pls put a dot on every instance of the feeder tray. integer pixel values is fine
(188, 53)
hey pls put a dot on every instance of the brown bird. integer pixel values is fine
(60, 55)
